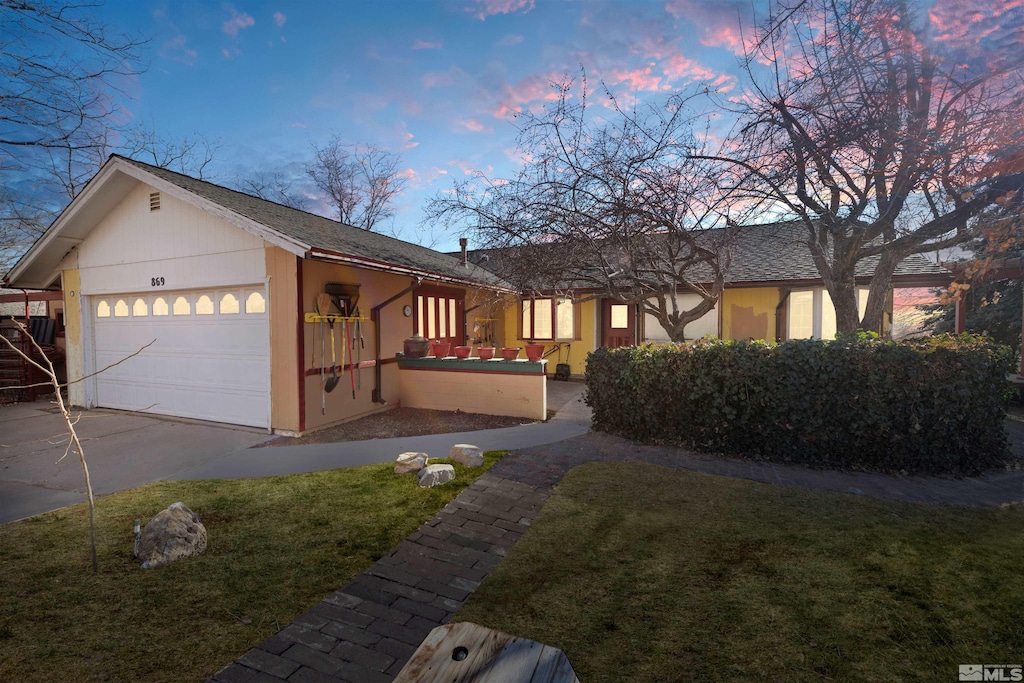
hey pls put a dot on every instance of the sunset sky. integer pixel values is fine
(438, 82)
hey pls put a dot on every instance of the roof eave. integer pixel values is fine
(383, 266)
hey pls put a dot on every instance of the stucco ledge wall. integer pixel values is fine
(495, 387)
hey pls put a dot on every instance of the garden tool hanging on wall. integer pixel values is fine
(323, 303)
(323, 307)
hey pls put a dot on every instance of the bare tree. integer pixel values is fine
(274, 186)
(360, 181)
(191, 155)
(881, 137)
(615, 203)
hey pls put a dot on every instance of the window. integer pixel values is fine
(254, 303)
(102, 309)
(439, 314)
(204, 305)
(620, 316)
(160, 306)
(812, 315)
(228, 304)
(182, 306)
(140, 309)
(548, 319)
(121, 309)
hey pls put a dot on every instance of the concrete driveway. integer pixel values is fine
(123, 450)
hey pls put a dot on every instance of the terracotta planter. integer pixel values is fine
(463, 351)
(510, 352)
(439, 348)
(485, 352)
(534, 352)
(417, 346)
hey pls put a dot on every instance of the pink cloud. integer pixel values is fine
(463, 166)
(427, 45)
(638, 79)
(280, 19)
(174, 49)
(486, 8)
(237, 22)
(535, 88)
(474, 126)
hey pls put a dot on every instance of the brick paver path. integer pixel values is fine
(366, 631)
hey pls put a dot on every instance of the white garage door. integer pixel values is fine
(210, 360)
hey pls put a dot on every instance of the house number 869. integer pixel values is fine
(157, 282)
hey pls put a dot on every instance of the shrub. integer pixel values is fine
(931, 406)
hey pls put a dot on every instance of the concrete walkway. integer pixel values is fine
(368, 630)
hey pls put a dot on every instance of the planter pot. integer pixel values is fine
(440, 349)
(510, 352)
(534, 352)
(417, 347)
(485, 352)
(463, 351)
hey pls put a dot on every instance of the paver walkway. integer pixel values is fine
(366, 631)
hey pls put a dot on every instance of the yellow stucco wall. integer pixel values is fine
(284, 382)
(575, 350)
(71, 284)
(488, 393)
(749, 313)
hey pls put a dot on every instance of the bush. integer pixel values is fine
(931, 406)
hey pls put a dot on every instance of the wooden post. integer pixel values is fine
(961, 314)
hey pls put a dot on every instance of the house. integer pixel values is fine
(181, 297)
(773, 291)
(185, 298)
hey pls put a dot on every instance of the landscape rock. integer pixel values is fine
(435, 475)
(467, 455)
(173, 534)
(410, 462)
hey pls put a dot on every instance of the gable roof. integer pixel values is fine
(299, 232)
(773, 254)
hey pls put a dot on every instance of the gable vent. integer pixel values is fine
(154, 201)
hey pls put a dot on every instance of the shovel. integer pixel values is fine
(351, 354)
(323, 307)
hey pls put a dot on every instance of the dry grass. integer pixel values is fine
(644, 574)
(276, 547)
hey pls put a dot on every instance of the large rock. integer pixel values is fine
(173, 534)
(435, 475)
(467, 455)
(410, 462)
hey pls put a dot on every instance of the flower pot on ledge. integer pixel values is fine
(463, 351)
(510, 352)
(485, 352)
(439, 349)
(534, 352)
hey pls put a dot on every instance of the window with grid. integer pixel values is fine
(548, 319)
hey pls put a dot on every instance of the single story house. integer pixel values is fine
(185, 298)
(223, 284)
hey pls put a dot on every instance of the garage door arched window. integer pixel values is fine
(228, 304)
(140, 309)
(160, 306)
(121, 309)
(102, 309)
(182, 306)
(255, 303)
(204, 305)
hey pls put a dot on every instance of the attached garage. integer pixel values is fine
(209, 356)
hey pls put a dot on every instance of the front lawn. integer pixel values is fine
(645, 574)
(276, 546)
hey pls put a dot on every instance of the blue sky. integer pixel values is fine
(438, 82)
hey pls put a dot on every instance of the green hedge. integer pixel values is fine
(931, 406)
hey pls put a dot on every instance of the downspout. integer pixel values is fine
(778, 316)
(375, 318)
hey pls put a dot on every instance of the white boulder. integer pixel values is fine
(410, 462)
(173, 534)
(467, 455)
(435, 475)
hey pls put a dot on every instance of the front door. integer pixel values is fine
(619, 328)
(439, 314)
